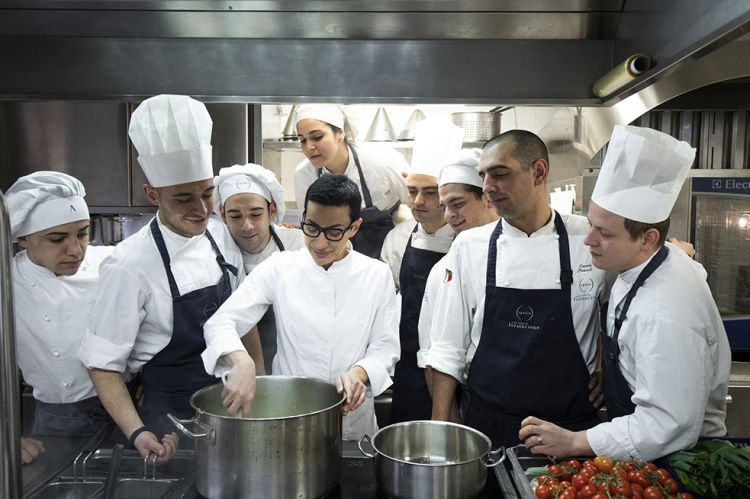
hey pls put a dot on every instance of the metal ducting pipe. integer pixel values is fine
(10, 416)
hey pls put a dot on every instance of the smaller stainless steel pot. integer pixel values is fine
(431, 460)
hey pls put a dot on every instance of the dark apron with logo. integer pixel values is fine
(176, 372)
(617, 393)
(267, 325)
(411, 398)
(528, 362)
(376, 223)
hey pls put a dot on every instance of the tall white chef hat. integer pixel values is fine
(328, 113)
(45, 199)
(642, 174)
(463, 170)
(172, 134)
(437, 142)
(249, 179)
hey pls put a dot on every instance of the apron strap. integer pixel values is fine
(654, 264)
(276, 238)
(159, 240)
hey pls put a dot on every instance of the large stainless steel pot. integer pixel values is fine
(431, 460)
(288, 447)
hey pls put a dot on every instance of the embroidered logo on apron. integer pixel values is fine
(524, 314)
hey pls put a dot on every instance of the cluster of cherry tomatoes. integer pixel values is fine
(603, 478)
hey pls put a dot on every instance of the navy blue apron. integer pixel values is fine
(411, 398)
(267, 324)
(617, 393)
(176, 372)
(376, 223)
(528, 361)
(72, 419)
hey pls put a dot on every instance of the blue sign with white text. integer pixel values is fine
(721, 185)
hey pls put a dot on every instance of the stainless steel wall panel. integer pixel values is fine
(85, 139)
(466, 71)
(740, 141)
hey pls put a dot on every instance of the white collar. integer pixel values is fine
(37, 270)
(548, 228)
(630, 275)
(175, 242)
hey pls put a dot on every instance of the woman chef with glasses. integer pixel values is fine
(337, 313)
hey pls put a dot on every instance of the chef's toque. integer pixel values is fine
(642, 174)
(437, 142)
(249, 179)
(44, 199)
(172, 134)
(328, 113)
(464, 169)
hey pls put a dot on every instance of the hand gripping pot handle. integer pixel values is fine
(366, 438)
(209, 433)
(492, 458)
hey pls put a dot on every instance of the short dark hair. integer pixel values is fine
(333, 189)
(528, 146)
(637, 229)
(473, 189)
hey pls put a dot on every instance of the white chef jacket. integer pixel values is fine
(523, 262)
(133, 313)
(327, 322)
(674, 355)
(396, 240)
(292, 239)
(381, 165)
(51, 315)
(437, 274)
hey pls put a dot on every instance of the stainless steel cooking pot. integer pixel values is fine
(289, 446)
(431, 460)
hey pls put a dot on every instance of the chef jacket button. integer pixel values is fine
(46, 317)
(66, 384)
(56, 353)
(33, 284)
(612, 356)
(557, 281)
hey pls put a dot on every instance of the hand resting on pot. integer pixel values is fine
(354, 384)
(239, 388)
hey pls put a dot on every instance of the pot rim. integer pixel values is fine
(199, 411)
(432, 423)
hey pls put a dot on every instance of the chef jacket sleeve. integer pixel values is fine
(236, 316)
(671, 392)
(395, 178)
(426, 312)
(117, 316)
(450, 331)
(384, 347)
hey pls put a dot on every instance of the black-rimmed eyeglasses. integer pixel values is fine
(334, 234)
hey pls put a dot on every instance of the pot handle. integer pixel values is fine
(209, 433)
(366, 438)
(492, 457)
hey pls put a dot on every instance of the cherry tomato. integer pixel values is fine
(568, 494)
(671, 486)
(599, 496)
(640, 478)
(621, 489)
(650, 467)
(554, 470)
(579, 481)
(652, 493)
(574, 463)
(685, 495)
(543, 491)
(587, 492)
(603, 464)
(587, 472)
(664, 475)
(636, 489)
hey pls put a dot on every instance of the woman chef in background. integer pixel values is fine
(375, 170)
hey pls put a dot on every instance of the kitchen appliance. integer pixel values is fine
(477, 126)
(431, 460)
(712, 211)
(289, 445)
